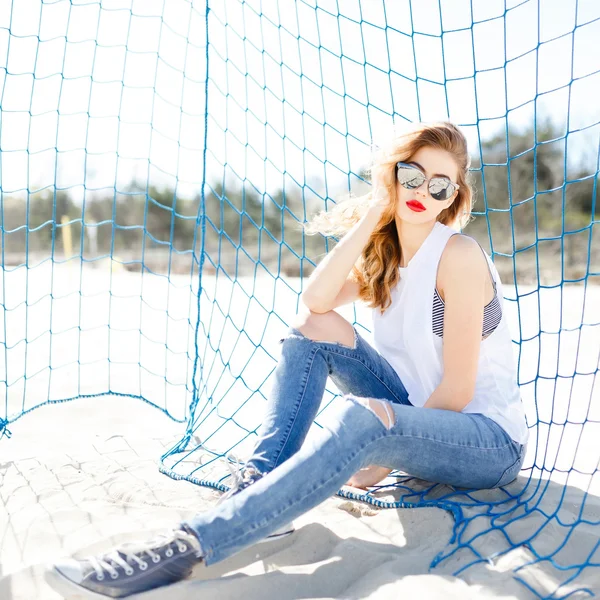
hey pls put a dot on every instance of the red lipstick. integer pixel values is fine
(415, 205)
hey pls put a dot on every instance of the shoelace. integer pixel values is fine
(131, 551)
(247, 477)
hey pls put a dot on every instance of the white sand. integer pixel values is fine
(83, 475)
(76, 478)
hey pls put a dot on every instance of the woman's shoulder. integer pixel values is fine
(462, 247)
(459, 244)
(462, 259)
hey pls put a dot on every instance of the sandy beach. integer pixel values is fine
(76, 479)
(79, 476)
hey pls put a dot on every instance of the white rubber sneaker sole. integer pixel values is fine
(71, 591)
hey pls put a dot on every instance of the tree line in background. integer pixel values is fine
(540, 226)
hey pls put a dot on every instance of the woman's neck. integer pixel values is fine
(411, 238)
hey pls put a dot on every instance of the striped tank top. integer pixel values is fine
(492, 314)
(403, 336)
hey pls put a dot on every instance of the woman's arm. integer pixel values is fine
(462, 277)
(463, 273)
(328, 279)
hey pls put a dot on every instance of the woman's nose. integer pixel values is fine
(422, 190)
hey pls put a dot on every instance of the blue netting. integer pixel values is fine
(158, 158)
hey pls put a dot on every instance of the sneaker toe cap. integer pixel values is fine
(69, 568)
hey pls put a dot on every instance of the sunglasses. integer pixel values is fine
(411, 178)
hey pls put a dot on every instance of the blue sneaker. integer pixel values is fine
(243, 476)
(128, 569)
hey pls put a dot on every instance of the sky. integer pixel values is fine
(96, 93)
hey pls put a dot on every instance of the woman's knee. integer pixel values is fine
(325, 327)
(382, 409)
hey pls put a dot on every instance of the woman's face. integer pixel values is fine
(416, 205)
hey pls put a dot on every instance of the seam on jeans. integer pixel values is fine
(311, 361)
(493, 425)
(431, 439)
(385, 385)
(362, 362)
(506, 471)
(300, 499)
(209, 551)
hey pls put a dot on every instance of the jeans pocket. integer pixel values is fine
(510, 474)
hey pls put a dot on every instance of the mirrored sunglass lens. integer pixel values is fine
(409, 177)
(440, 189)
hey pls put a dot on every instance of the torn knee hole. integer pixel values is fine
(317, 341)
(382, 410)
(291, 336)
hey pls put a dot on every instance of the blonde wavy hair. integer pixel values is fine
(376, 271)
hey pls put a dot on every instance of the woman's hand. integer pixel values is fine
(380, 198)
(368, 476)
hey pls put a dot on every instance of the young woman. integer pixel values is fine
(437, 397)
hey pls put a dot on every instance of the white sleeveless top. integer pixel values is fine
(404, 337)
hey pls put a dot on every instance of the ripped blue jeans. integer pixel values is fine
(300, 470)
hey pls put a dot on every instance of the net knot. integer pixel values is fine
(4, 430)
